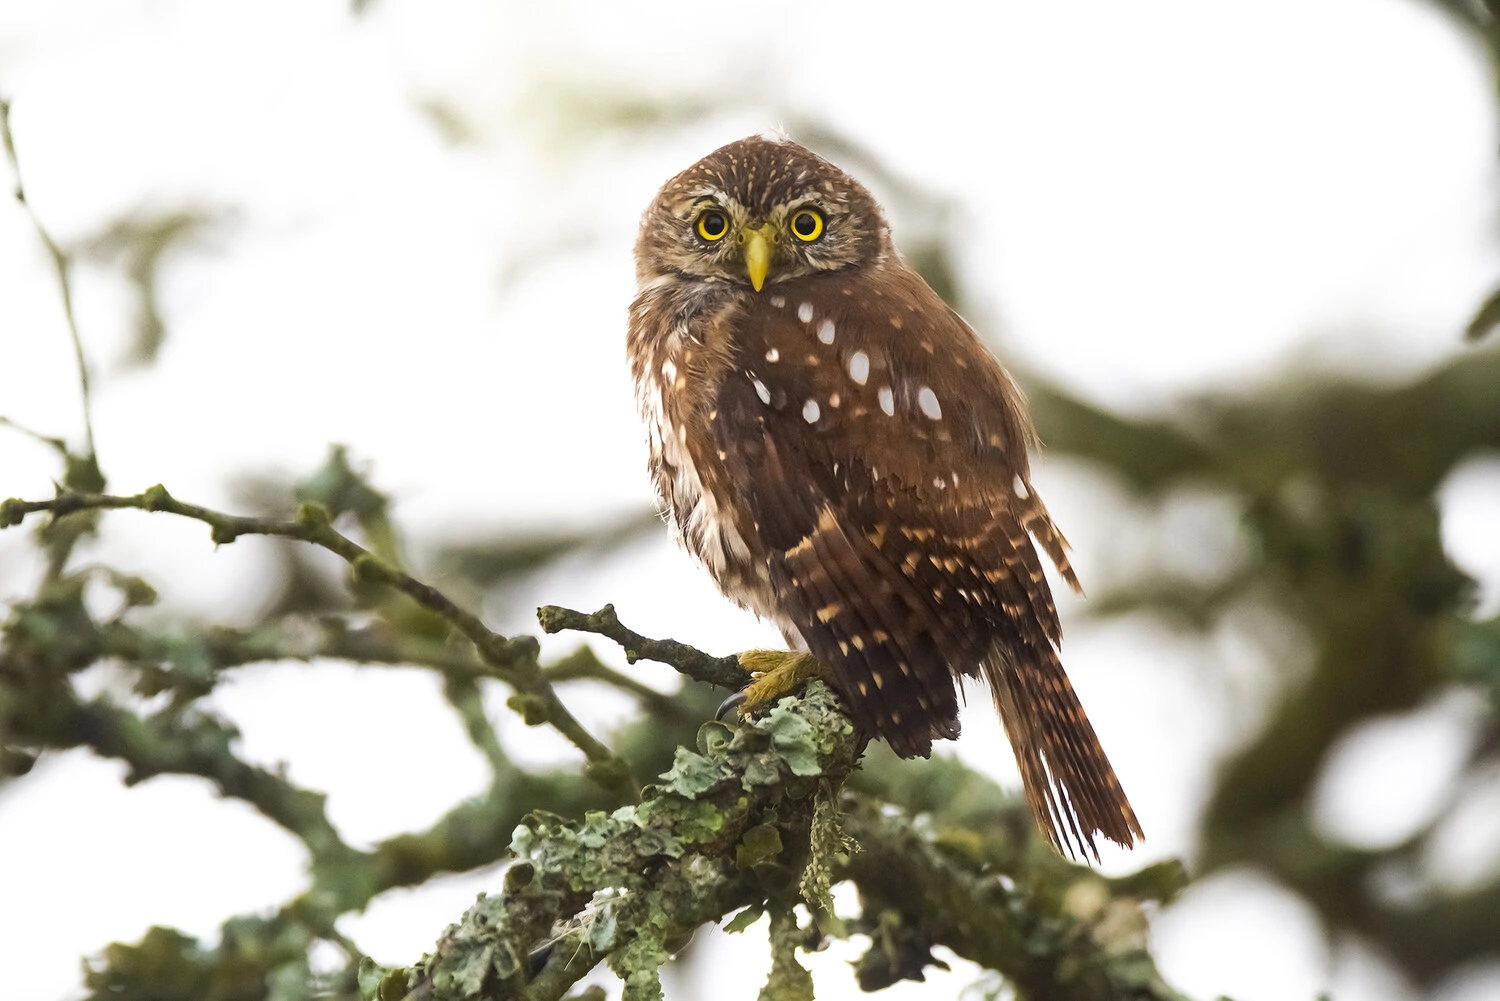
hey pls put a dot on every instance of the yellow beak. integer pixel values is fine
(760, 245)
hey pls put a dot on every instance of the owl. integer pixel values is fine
(841, 453)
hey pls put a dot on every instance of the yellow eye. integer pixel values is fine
(807, 224)
(712, 225)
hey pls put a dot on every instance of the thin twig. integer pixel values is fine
(62, 265)
(57, 444)
(723, 671)
(513, 660)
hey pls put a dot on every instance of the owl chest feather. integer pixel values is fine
(679, 348)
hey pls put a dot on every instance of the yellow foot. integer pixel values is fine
(776, 673)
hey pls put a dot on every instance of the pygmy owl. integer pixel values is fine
(842, 454)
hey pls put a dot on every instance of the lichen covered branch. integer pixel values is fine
(748, 821)
(631, 886)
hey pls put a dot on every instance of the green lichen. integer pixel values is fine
(692, 774)
(789, 979)
(597, 829)
(639, 968)
(744, 919)
(826, 840)
(792, 736)
(761, 843)
(378, 983)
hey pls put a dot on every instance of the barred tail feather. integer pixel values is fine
(1070, 786)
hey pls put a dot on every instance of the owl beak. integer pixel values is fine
(760, 245)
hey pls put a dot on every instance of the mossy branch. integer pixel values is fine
(633, 885)
(745, 821)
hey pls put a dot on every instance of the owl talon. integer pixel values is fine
(775, 673)
(729, 705)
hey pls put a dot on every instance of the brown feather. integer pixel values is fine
(1070, 786)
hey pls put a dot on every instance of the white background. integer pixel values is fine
(1155, 199)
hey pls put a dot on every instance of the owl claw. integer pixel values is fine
(774, 674)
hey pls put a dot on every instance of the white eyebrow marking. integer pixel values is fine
(811, 412)
(825, 331)
(804, 312)
(859, 367)
(773, 355)
(887, 401)
(761, 390)
(928, 401)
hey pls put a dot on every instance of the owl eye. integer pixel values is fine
(712, 225)
(807, 224)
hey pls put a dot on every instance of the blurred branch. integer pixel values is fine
(1485, 320)
(1190, 604)
(45, 641)
(174, 743)
(1147, 455)
(1072, 939)
(1343, 432)
(62, 266)
(583, 665)
(56, 444)
(1480, 21)
(1336, 481)
(512, 660)
(488, 562)
(253, 952)
(141, 242)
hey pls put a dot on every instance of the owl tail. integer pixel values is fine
(1070, 786)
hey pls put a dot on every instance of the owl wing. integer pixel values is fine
(878, 452)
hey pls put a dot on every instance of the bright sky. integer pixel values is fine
(1156, 198)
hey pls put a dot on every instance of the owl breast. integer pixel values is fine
(677, 351)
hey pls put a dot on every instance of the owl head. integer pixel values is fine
(759, 211)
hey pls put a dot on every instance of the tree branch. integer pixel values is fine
(1053, 931)
(725, 672)
(512, 660)
(631, 886)
(738, 824)
(61, 265)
